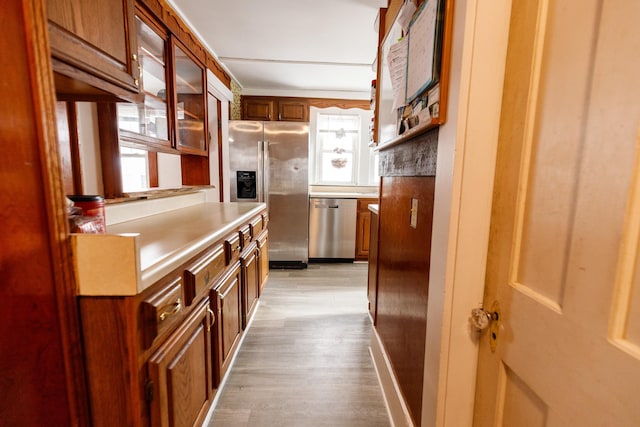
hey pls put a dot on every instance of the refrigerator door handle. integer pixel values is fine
(260, 177)
(265, 172)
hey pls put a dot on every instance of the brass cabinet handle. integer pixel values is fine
(213, 318)
(175, 307)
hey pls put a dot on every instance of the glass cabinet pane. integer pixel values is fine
(190, 108)
(148, 118)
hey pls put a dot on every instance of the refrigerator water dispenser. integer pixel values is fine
(246, 184)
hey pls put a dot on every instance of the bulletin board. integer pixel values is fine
(413, 76)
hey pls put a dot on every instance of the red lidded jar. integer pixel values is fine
(92, 206)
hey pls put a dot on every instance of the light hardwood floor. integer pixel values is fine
(305, 359)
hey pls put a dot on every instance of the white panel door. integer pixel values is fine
(563, 251)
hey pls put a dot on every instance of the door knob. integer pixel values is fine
(482, 319)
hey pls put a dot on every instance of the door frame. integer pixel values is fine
(467, 147)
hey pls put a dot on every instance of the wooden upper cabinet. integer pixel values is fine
(190, 101)
(293, 111)
(273, 108)
(258, 109)
(93, 45)
(148, 119)
(172, 113)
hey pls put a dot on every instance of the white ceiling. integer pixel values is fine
(282, 47)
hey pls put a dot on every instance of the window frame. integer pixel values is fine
(320, 149)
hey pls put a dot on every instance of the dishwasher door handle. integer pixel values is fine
(319, 206)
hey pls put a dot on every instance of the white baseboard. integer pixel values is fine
(396, 406)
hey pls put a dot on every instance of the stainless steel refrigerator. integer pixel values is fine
(269, 162)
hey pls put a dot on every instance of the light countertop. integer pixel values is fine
(134, 254)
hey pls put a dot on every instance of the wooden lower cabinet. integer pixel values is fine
(226, 300)
(363, 226)
(180, 373)
(372, 280)
(263, 258)
(158, 357)
(250, 282)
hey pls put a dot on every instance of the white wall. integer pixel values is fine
(308, 93)
(219, 91)
(169, 171)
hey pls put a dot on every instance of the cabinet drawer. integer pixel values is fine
(265, 220)
(161, 310)
(227, 300)
(262, 240)
(256, 226)
(232, 248)
(245, 236)
(201, 275)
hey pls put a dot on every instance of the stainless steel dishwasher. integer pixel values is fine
(332, 229)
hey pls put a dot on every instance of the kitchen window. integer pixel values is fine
(339, 148)
(337, 140)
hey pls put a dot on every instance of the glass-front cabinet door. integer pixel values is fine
(190, 107)
(150, 117)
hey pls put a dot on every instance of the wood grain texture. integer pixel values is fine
(227, 305)
(112, 369)
(64, 147)
(109, 149)
(403, 280)
(263, 257)
(250, 282)
(41, 375)
(195, 170)
(181, 373)
(290, 108)
(305, 360)
(372, 280)
(363, 225)
(97, 38)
